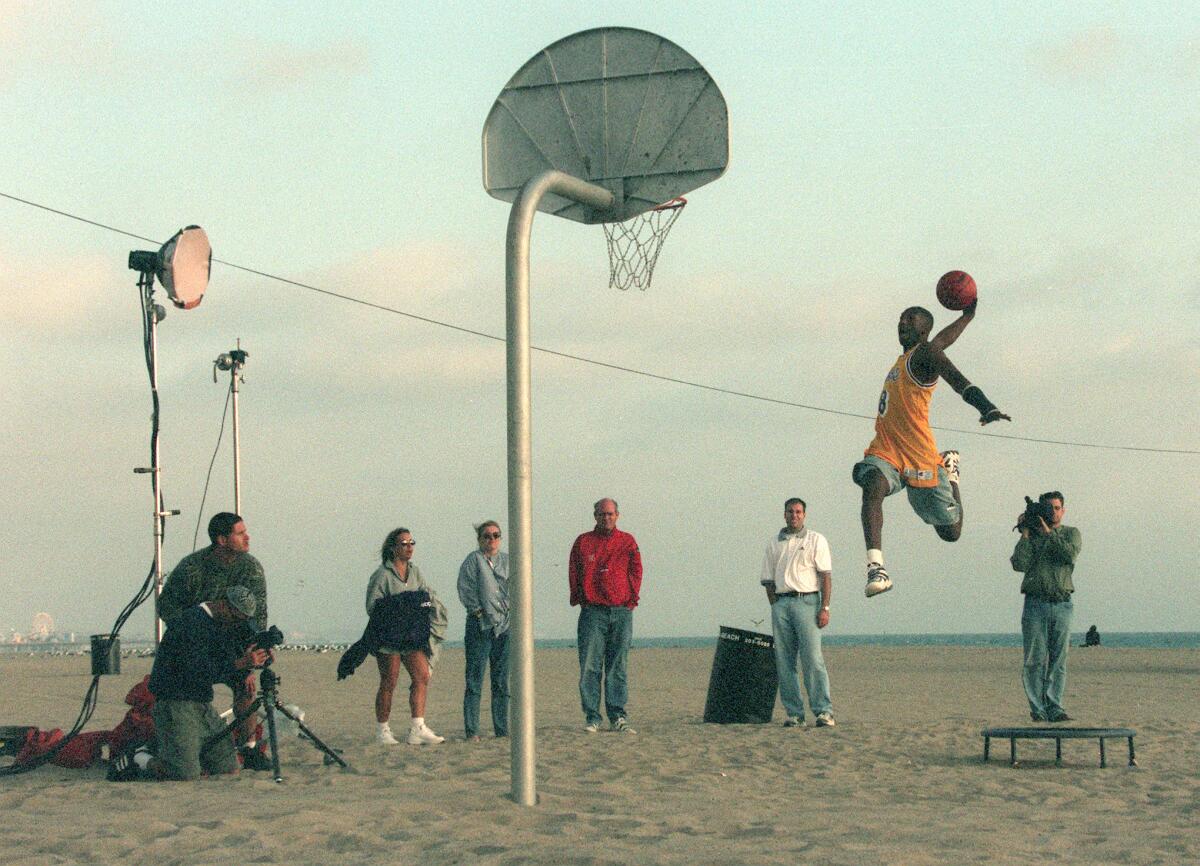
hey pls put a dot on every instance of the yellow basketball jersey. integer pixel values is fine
(902, 434)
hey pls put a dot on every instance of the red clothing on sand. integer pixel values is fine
(606, 570)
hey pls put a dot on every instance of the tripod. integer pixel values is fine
(268, 699)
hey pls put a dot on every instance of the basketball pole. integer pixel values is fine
(520, 459)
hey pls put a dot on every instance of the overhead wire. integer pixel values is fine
(762, 398)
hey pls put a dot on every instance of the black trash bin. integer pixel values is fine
(741, 689)
(106, 654)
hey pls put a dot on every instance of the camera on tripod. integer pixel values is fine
(267, 639)
(1035, 509)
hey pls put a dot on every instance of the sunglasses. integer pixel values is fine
(490, 536)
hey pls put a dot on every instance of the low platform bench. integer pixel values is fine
(1058, 735)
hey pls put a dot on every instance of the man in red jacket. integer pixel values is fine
(605, 574)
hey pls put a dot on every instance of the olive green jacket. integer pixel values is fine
(1048, 562)
(202, 576)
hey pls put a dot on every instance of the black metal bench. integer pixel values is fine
(1058, 735)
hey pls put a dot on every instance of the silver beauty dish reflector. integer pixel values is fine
(182, 266)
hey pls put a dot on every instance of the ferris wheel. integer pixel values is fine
(42, 626)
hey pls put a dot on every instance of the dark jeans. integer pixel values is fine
(484, 648)
(604, 634)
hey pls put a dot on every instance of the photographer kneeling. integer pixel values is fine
(1046, 555)
(201, 647)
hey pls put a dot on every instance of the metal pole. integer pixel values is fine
(520, 461)
(146, 283)
(237, 448)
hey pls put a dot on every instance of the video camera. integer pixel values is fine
(267, 639)
(1035, 508)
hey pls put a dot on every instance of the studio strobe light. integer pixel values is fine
(182, 265)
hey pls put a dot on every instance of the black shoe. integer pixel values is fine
(122, 768)
(1060, 717)
(253, 759)
(1037, 718)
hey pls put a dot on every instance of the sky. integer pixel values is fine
(1050, 152)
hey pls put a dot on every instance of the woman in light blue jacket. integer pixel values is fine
(483, 591)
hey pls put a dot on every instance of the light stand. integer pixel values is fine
(182, 265)
(152, 314)
(233, 361)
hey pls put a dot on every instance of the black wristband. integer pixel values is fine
(973, 396)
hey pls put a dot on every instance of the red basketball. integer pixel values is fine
(956, 290)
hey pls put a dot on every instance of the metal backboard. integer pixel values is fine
(621, 108)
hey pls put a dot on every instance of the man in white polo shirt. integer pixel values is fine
(797, 573)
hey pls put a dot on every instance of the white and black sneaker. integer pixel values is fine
(877, 579)
(621, 726)
(950, 464)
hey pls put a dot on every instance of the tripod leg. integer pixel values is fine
(313, 738)
(270, 705)
(238, 718)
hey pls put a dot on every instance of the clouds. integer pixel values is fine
(1085, 54)
(278, 65)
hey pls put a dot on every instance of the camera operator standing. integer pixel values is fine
(1046, 554)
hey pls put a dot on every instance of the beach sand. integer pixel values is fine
(899, 780)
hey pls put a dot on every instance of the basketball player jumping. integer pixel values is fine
(903, 452)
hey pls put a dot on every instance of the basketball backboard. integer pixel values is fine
(621, 108)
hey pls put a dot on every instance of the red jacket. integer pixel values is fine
(606, 570)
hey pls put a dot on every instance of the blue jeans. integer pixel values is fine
(1046, 634)
(794, 624)
(603, 636)
(484, 648)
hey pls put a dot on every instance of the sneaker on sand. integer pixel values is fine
(423, 736)
(793, 722)
(950, 464)
(385, 737)
(825, 720)
(621, 726)
(877, 580)
(591, 728)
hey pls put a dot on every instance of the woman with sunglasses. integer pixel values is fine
(397, 573)
(483, 591)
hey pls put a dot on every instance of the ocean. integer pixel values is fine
(1139, 639)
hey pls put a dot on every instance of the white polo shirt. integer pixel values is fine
(792, 561)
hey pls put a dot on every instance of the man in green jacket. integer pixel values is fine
(1046, 554)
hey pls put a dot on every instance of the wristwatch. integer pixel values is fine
(825, 608)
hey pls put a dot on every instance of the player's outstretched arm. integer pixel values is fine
(947, 335)
(972, 394)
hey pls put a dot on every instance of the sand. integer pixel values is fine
(899, 780)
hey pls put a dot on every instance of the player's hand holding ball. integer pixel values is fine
(956, 291)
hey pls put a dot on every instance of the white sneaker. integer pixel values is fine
(385, 737)
(877, 580)
(825, 720)
(423, 736)
(621, 726)
(950, 464)
(591, 728)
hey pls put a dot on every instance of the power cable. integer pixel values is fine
(211, 464)
(585, 360)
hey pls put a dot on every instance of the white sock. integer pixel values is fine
(874, 557)
(384, 726)
(418, 722)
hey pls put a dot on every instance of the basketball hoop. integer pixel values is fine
(634, 245)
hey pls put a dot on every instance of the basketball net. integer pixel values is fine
(634, 245)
